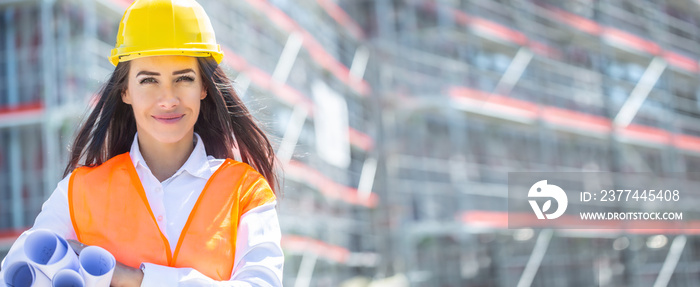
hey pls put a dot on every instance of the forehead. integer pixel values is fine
(163, 63)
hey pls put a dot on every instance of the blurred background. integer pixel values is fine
(396, 123)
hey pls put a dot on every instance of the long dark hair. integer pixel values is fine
(224, 123)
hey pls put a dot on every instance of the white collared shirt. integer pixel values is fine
(258, 258)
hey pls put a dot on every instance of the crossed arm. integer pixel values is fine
(258, 260)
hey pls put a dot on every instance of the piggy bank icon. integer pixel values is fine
(542, 189)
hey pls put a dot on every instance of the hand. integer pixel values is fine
(126, 276)
(123, 275)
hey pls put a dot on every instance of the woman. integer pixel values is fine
(151, 176)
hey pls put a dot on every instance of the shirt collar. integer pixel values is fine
(197, 164)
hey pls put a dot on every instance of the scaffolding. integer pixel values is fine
(473, 90)
(285, 59)
(443, 99)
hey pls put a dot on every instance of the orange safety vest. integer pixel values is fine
(109, 208)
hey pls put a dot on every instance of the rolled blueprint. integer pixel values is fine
(68, 278)
(21, 274)
(49, 253)
(97, 266)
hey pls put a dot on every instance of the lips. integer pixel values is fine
(168, 118)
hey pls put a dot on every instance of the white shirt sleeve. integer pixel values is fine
(54, 216)
(259, 259)
(55, 213)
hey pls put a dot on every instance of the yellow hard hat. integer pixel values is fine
(165, 27)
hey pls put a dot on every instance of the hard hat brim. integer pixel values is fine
(127, 56)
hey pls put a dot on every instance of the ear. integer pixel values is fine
(126, 97)
(203, 94)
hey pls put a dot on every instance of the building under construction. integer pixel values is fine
(396, 123)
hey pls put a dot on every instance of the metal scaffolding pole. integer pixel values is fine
(286, 60)
(49, 137)
(674, 254)
(285, 152)
(16, 178)
(15, 151)
(11, 57)
(514, 72)
(535, 258)
(640, 92)
(306, 270)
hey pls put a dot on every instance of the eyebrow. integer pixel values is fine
(148, 73)
(185, 71)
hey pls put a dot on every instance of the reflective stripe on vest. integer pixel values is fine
(109, 208)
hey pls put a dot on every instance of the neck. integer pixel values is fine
(164, 159)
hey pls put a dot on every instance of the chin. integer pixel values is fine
(170, 138)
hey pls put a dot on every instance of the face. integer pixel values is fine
(165, 93)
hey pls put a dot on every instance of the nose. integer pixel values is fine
(168, 98)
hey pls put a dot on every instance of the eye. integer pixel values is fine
(185, 79)
(148, 80)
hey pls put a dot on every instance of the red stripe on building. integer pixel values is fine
(505, 33)
(622, 37)
(316, 50)
(631, 40)
(647, 133)
(573, 20)
(576, 119)
(302, 245)
(339, 15)
(681, 61)
(328, 187)
(569, 118)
